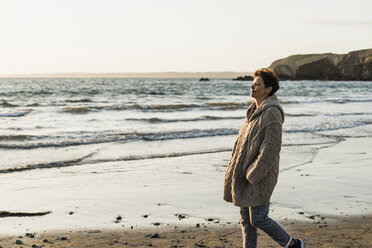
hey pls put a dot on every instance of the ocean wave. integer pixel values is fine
(300, 115)
(32, 142)
(158, 107)
(154, 156)
(83, 160)
(56, 164)
(329, 114)
(15, 114)
(15, 137)
(329, 100)
(79, 100)
(348, 114)
(202, 118)
(5, 104)
(194, 133)
(76, 110)
(224, 106)
(287, 101)
(179, 107)
(328, 127)
(229, 105)
(42, 92)
(33, 105)
(161, 107)
(348, 100)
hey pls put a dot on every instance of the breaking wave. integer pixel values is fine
(83, 160)
(15, 114)
(5, 104)
(202, 118)
(329, 126)
(31, 142)
(56, 164)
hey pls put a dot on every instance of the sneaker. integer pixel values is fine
(298, 243)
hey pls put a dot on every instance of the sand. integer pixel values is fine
(325, 196)
(343, 233)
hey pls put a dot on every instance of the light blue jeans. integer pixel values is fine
(257, 217)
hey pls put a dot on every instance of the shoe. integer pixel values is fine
(298, 243)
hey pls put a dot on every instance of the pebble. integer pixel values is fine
(180, 216)
(19, 242)
(30, 235)
(154, 236)
(322, 226)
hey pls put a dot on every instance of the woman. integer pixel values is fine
(252, 172)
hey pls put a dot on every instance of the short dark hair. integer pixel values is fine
(270, 79)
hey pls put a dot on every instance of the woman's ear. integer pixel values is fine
(268, 89)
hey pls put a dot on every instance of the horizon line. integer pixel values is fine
(167, 74)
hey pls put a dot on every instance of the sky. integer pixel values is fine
(110, 36)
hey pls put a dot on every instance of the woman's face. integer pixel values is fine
(258, 90)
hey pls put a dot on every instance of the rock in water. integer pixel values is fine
(244, 78)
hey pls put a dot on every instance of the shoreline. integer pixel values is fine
(344, 232)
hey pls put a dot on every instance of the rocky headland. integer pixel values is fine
(356, 65)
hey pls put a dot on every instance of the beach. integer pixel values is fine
(114, 206)
(104, 167)
(355, 232)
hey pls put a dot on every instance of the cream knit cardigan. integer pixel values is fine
(252, 172)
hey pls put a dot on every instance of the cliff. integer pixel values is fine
(356, 65)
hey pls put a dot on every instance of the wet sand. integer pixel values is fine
(342, 233)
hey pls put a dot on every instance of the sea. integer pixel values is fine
(47, 123)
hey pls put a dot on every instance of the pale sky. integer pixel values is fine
(54, 36)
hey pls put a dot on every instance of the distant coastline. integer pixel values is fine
(353, 66)
(225, 74)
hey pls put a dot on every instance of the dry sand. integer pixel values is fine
(343, 233)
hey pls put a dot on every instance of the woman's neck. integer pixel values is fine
(260, 101)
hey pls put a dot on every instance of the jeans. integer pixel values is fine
(257, 217)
